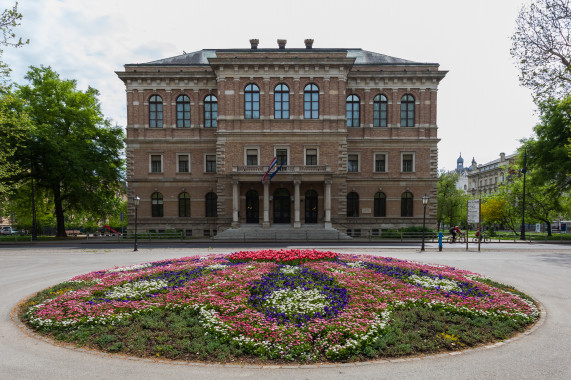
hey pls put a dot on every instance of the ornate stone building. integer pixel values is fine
(354, 134)
(485, 179)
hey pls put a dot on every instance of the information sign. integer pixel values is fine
(474, 211)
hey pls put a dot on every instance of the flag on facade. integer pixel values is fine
(277, 170)
(272, 164)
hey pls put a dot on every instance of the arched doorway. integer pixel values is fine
(311, 206)
(282, 206)
(252, 207)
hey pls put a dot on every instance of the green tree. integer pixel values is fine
(14, 122)
(508, 197)
(15, 129)
(541, 45)
(493, 210)
(19, 206)
(9, 19)
(549, 158)
(451, 201)
(76, 153)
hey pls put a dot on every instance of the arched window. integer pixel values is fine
(183, 112)
(380, 204)
(183, 205)
(380, 104)
(406, 204)
(157, 205)
(281, 102)
(252, 102)
(210, 202)
(155, 112)
(352, 204)
(407, 111)
(210, 112)
(311, 102)
(352, 108)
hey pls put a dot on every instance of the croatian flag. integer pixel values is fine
(272, 164)
(277, 170)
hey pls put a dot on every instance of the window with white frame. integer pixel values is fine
(252, 157)
(183, 163)
(156, 163)
(210, 163)
(380, 162)
(353, 163)
(407, 162)
(311, 156)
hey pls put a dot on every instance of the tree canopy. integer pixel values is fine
(74, 151)
(549, 157)
(14, 122)
(451, 201)
(541, 45)
(9, 19)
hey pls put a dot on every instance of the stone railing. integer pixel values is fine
(257, 169)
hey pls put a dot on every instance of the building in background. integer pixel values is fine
(463, 172)
(485, 179)
(354, 134)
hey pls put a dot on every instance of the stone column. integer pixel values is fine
(235, 203)
(328, 204)
(266, 223)
(296, 213)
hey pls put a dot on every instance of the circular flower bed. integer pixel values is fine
(301, 305)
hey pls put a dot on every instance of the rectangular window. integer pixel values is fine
(210, 163)
(281, 155)
(183, 163)
(252, 157)
(408, 162)
(380, 163)
(156, 163)
(311, 156)
(353, 163)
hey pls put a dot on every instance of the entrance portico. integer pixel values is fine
(314, 182)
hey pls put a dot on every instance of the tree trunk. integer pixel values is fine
(548, 228)
(60, 221)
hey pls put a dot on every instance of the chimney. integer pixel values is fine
(502, 157)
(254, 43)
(308, 43)
(282, 44)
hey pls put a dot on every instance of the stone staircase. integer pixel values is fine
(282, 232)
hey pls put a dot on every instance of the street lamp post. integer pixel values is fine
(424, 203)
(524, 170)
(136, 201)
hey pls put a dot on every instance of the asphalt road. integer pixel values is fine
(542, 271)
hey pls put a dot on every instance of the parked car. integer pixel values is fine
(7, 230)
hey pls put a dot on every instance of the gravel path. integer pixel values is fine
(542, 271)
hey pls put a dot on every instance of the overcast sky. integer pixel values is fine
(482, 110)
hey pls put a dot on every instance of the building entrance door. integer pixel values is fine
(282, 206)
(311, 206)
(252, 207)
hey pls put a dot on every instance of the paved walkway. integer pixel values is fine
(542, 271)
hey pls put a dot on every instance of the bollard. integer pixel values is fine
(440, 235)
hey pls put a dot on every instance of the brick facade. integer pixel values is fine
(236, 183)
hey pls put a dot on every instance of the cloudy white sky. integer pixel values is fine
(482, 110)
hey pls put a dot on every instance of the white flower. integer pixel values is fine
(131, 267)
(434, 283)
(134, 289)
(297, 301)
(289, 269)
